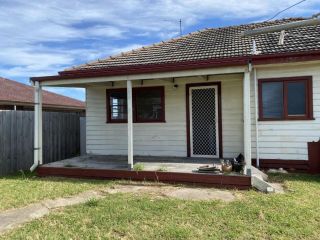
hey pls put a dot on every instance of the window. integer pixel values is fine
(118, 106)
(272, 99)
(147, 103)
(285, 99)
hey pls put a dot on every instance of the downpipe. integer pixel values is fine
(256, 116)
(36, 127)
(33, 167)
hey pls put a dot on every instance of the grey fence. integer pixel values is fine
(61, 138)
(83, 137)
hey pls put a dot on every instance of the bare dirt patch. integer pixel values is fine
(184, 193)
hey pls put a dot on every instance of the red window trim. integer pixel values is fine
(134, 104)
(285, 116)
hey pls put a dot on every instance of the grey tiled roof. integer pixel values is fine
(214, 43)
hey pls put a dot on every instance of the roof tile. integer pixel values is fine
(12, 91)
(213, 43)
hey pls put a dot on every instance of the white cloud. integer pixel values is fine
(104, 31)
(39, 21)
(37, 36)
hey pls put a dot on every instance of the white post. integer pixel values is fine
(37, 93)
(40, 126)
(256, 115)
(247, 121)
(130, 125)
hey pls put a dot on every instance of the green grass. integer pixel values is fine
(162, 169)
(255, 215)
(138, 167)
(23, 189)
(92, 202)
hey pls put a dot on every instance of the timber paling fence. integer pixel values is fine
(61, 138)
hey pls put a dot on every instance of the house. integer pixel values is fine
(18, 96)
(209, 94)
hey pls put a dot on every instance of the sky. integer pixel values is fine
(42, 37)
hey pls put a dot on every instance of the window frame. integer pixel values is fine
(108, 94)
(135, 92)
(307, 80)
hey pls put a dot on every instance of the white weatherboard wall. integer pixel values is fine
(288, 140)
(169, 138)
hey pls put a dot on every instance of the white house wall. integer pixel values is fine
(164, 139)
(287, 139)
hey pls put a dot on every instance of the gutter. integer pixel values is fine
(48, 106)
(184, 65)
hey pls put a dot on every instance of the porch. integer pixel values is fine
(193, 117)
(155, 168)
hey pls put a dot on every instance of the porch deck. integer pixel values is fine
(164, 169)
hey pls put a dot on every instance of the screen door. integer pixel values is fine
(204, 141)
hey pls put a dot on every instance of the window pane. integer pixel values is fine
(118, 105)
(296, 98)
(149, 106)
(272, 99)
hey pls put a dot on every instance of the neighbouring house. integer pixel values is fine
(18, 96)
(209, 94)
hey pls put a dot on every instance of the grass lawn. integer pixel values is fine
(20, 190)
(293, 215)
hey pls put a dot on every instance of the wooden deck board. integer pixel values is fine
(214, 180)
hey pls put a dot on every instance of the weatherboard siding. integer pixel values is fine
(169, 138)
(287, 139)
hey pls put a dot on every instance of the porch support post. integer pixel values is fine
(37, 151)
(247, 121)
(40, 126)
(130, 124)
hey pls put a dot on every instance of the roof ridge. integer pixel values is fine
(16, 82)
(263, 22)
(44, 91)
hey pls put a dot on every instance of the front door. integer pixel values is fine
(203, 110)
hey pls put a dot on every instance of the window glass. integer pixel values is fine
(149, 105)
(118, 105)
(272, 99)
(296, 98)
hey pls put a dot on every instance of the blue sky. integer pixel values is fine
(40, 37)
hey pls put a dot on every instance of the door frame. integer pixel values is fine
(188, 86)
